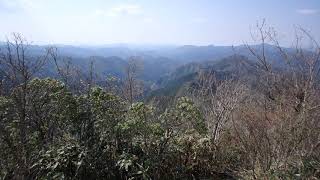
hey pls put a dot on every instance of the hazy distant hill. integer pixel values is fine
(177, 81)
(162, 64)
(187, 53)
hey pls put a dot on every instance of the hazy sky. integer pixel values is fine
(199, 22)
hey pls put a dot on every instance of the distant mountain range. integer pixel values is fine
(186, 53)
(163, 66)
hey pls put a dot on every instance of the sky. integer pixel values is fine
(178, 22)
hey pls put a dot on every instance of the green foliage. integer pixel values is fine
(63, 162)
(51, 107)
(107, 110)
(190, 114)
(96, 136)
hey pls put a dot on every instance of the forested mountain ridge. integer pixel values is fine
(158, 61)
(230, 67)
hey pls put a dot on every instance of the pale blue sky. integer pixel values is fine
(199, 22)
